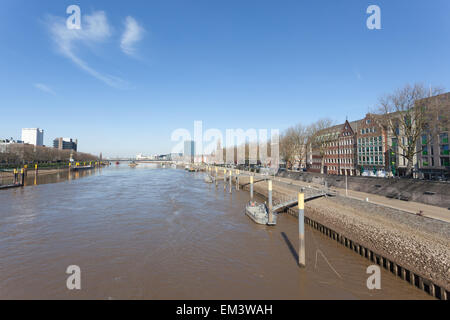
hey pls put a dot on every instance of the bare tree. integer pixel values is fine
(293, 144)
(25, 154)
(406, 118)
(287, 147)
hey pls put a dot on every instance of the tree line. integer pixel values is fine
(25, 153)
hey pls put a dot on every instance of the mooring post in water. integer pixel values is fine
(237, 180)
(22, 173)
(216, 176)
(15, 176)
(225, 179)
(36, 171)
(231, 180)
(270, 201)
(251, 187)
(301, 230)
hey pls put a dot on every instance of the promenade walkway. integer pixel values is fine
(429, 211)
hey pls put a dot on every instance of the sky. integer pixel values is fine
(138, 70)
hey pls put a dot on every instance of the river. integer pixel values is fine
(153, 233)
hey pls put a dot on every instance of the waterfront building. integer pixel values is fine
(315, 164)
(397, 161)
(372, 146)
(176, 156)
(433, 158)
(331, 150)
(141, 157)
(324, 151)
(34, 136)
(348, 149)
(189, 151)
(65, 144)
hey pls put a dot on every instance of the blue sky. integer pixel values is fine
(138, 70)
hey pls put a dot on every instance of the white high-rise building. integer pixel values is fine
(34, 136)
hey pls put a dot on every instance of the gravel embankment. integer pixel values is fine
(416, 243)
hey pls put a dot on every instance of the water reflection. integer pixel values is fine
(65, 175)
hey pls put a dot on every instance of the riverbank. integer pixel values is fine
(433, 193)
(417, 244)
(32, 173)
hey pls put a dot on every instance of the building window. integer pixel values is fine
(445, 162)
(444, 150)
(424, 139)
(443, 138)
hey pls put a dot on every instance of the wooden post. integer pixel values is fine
(301, 230)
(225, 179)
(36, 170)
(231, 175)
(251, 188)
(270, 201)
(443, 294)
(216, 176)
(22, 173)
(15, 176)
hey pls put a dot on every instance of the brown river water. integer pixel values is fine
(153, 233)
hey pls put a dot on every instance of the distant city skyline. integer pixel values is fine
(137, 71)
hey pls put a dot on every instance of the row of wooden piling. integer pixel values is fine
(19, 178)
(391, 266)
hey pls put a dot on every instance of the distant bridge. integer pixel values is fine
(119, 159)
(154, 161)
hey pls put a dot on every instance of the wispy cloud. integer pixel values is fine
(357, 74)
(132, 35)
(44, 88)
(95, 29)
